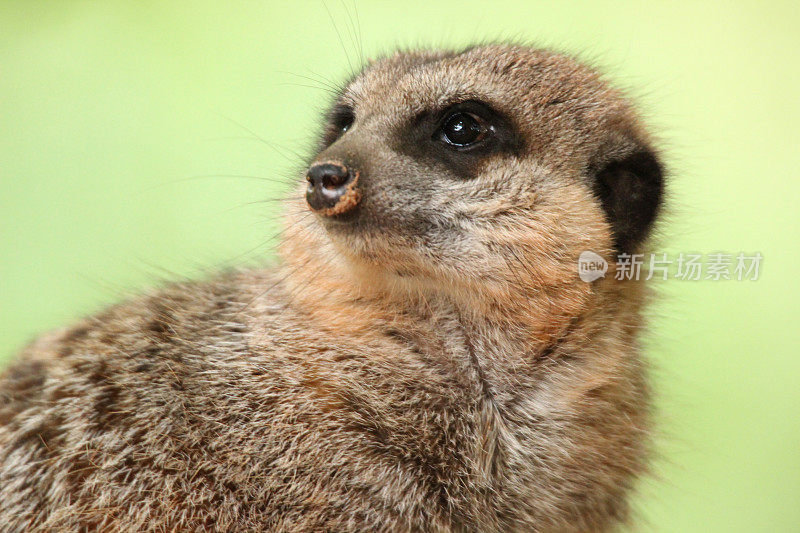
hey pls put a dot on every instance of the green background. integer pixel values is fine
(113, 115)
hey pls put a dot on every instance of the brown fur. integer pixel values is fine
(442, 369)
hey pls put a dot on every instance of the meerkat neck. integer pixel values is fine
(525, 321)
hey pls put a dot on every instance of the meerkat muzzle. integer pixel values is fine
(332, 188)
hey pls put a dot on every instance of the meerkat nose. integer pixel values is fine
(332, 188)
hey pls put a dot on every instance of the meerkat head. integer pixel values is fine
(493, 167)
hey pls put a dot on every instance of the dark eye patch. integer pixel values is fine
(428, 135)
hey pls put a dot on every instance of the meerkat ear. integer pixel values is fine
(630, 189)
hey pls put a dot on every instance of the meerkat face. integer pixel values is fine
(448, 168)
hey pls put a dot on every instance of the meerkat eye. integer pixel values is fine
(343, 118)
(462, 129)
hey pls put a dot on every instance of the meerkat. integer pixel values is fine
(424, 358)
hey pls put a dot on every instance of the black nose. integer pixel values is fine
(331, 188)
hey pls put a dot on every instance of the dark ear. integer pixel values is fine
(630, 189)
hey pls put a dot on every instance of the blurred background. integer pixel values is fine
(143, 141)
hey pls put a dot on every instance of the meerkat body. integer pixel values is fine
(425, 358)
